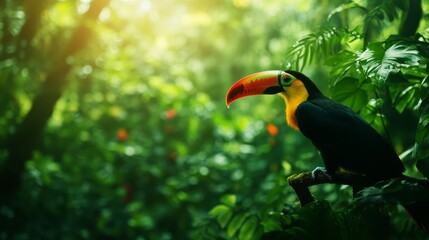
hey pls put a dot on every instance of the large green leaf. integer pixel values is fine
(403, 91)
(343, 63)
(222, 213)
(236, 223)
(378, 63)
(372, 114)
(349, 91)
(248, 228)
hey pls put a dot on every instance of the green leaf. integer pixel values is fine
(378, 63)
(363, 222)
(236, 223)
(222, 214)
(219, 209)
(398, 190)
(344, 7)
(349, 92)
(380, 10)
(422, 136)
(405, 99)
(271, 225)
(423, 166)
(229, 200)
(319, 218)
(323, 43)
(342, 63)
(422, 141)
(249, 227)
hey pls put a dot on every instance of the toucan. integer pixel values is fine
(346, 142)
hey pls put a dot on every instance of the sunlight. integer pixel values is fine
(145, 5)
(141, 5)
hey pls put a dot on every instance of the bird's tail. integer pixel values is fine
(419, 212)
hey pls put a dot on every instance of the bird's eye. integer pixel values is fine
(287, 79)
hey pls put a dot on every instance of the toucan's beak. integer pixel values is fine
(267, 82)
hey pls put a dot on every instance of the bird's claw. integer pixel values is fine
(322, 170)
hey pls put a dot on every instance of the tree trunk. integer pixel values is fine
(411, 18)
(21, 144)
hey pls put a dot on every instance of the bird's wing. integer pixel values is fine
(345, 139)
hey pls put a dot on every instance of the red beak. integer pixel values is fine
(266, 82)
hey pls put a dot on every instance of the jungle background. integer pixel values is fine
(113, 122)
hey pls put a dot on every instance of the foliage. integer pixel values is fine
(401, 191)
(319, 220)
(391, 70)
(139, 143)
(367, 75)
(326, 42)
(378, 63)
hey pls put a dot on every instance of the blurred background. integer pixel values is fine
(113, 121)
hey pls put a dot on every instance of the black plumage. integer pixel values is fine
(343, 138)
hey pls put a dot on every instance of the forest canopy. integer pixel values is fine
(113, 123)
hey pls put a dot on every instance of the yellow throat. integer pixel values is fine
(293, 96)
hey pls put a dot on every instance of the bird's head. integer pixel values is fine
(294, 87)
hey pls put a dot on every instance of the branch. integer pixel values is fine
(302, 181)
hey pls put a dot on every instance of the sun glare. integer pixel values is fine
(145, 5)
